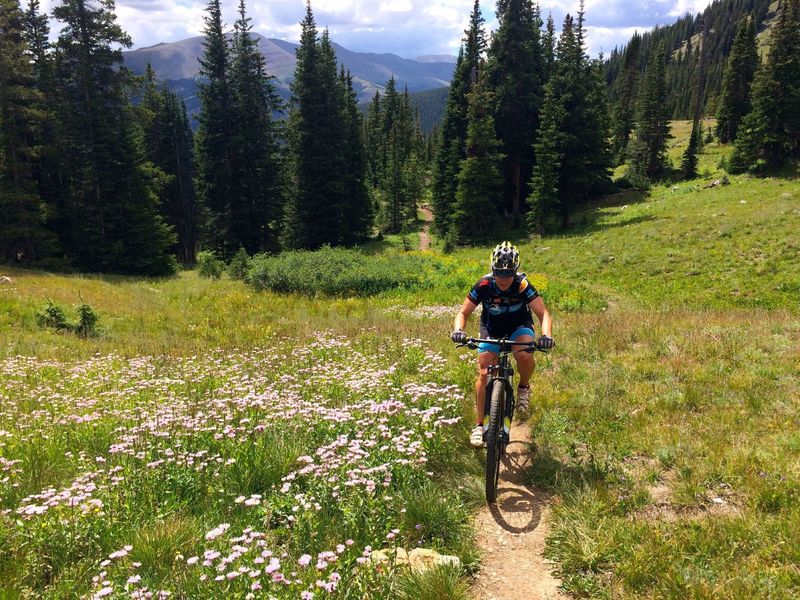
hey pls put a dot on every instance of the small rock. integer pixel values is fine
(6, 280)
(742, 201)
(718, 500)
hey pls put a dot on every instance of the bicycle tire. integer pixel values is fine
(494, 440)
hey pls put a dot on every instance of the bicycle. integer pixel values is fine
(500, 404)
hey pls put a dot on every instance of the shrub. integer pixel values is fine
(343, 272)
(53, 316)
(239, 265)
(209, 266)
(87, 321)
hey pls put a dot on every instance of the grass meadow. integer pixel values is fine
(216, 441)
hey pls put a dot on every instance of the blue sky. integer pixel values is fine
(409, 28)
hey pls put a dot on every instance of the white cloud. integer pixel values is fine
(405, 27)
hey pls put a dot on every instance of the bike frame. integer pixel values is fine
(495, 436)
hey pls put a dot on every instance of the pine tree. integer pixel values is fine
(324, 166)
(624, 109)
(110, 202)
(398, 194)
(168, 145)
(689, 160)
(479, 183)
(769, 136)
(48, 168)
(256, 204)
(648, 157)
(549, 48)
(739, 73)
(358, 215)
(23, 233)
(373, 134)
(213, 142)
(515, 68)
(453, 142)
(573, 157)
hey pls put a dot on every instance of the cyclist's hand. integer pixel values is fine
(459, 337)
(546, 342)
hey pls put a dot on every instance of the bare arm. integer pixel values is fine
(541, 312)
(460, 321)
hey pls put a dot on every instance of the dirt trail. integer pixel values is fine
(511, 533)
(424, 236)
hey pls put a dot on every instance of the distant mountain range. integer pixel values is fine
(176, 63)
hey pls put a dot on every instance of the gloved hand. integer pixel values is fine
(459, 337)
(546, 342)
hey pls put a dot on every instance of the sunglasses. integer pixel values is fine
(504, 272)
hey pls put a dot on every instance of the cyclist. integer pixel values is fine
(508, 299)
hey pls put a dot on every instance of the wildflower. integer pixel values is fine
(304, 560)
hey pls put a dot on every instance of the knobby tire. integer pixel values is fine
(494, 440)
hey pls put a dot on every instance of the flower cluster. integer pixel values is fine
(340, 427)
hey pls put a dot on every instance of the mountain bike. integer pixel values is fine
(500, 403)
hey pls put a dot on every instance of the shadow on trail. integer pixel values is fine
(519, 505)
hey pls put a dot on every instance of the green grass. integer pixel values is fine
(665, 424)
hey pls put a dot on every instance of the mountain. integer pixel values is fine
(445, 58)
(685, 41)
(177, 64)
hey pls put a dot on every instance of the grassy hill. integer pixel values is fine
(243, 428)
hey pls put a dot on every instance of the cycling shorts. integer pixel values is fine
(495, 348)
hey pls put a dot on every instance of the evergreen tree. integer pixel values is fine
(549, 48)
(48, 166)
(256, 202)
(373, 134)
(168, 145)
(739, 73)
(769, 136)
(23, 235)
(689, 160)
(515, 67)
(397, 192)
(324, 165)
(214, 139)
(648, 157)
(358, 210)
(110, 202)
(453, 142)
(479, 183)
(624, 109)
(573, 157)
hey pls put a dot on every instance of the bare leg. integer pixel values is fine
(484, 360)
(525, 362)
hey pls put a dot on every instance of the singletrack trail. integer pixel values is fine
(424, 236)
(511, 533)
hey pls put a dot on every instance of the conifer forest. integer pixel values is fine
(103, 171)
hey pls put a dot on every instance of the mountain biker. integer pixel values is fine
(508, 299)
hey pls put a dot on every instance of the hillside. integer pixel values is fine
(181, 442)
(684, 42)
(177, 63)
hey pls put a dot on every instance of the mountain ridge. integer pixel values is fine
(178, 61)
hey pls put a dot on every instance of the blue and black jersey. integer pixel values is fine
(503, 311)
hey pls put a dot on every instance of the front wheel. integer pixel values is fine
(494, 441)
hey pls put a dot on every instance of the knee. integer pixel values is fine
(525, 359)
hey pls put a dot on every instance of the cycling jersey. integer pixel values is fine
(503, 311)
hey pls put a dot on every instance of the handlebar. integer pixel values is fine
(505, 344)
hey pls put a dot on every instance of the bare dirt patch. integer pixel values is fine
(424, 235)
(511, 533)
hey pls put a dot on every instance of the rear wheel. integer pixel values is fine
(494, 440)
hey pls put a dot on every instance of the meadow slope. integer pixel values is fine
(213, 440)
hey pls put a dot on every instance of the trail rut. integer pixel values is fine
(424, 235)
(511, 533)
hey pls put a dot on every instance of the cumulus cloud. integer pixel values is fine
(406, 27)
